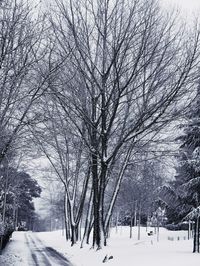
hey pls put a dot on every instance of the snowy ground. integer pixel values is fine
(130, 252)
(26, 249)
(125, 251)
(16, 253)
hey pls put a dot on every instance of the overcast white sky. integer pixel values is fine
(185, 4)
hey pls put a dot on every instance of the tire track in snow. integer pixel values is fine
(44, 256)
(37, 254)
(52, 252)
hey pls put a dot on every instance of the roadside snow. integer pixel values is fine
(16, 252)
(129, 252)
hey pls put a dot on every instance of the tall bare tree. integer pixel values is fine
(128, 68)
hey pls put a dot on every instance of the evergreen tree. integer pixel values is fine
(185, 189)
(20, 190)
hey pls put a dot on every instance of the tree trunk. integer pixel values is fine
(189, 229)
(131, 227)
(89, 218)
(74, 234)
(116, 190)
(67, 231)
(96, 205)
(104, 227)
(79, 236)
(135, 214)
(139, 221)
(196, 236)
(89, 231)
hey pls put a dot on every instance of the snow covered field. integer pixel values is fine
(125, 251)
(130, 252)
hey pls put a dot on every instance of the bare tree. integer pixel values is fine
(68, 159)
(128, 68)
(23, 74)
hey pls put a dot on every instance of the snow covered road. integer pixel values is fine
(42, 255)
(26, 248)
